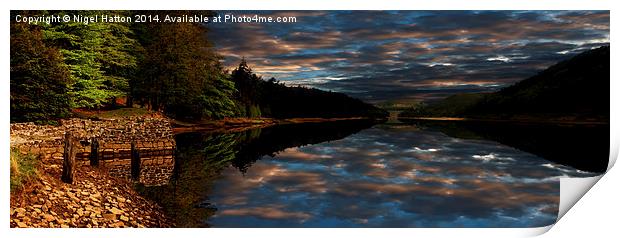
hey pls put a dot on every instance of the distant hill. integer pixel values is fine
(577, 88)
(271, 98)
(280, 101)
(452, 106)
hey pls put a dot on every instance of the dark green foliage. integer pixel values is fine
(575, 88)
(280, 101)
(249, 89)
(38, 77)
(180, 74)
(100, 56)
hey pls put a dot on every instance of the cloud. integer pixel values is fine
(383, 55)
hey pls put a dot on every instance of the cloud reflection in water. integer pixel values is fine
(394, 177)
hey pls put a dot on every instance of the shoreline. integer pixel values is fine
(98, 199)
(521, 120)
(242, 124)
(100, 195)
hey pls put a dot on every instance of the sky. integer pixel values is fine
(408, 55)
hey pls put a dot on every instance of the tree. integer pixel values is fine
(38, 77)
(180, 73)
(100, 56)
(248, 87)
(274, 99)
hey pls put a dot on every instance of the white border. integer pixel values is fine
(606, 192)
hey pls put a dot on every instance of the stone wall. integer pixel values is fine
(152, 139)
(152, 171)
(154, 165)
(156, 162)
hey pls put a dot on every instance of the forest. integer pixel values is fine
(172, 68)
(570, 89)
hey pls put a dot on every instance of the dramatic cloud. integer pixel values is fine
(383, 55)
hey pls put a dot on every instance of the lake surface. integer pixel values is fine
(364, 174)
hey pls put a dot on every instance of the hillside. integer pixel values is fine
(290, 102)
(271, 98)
(576, 88)
(454, 105)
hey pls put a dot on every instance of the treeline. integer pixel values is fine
(165, 67)
(168, 67)
(577, 88)
(271, 98)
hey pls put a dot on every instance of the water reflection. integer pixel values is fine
(393, 178)
(202, 157)
(153, 166)
(584, 147)
(384, 176)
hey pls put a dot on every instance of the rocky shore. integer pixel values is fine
(102, 194)
(95, 199)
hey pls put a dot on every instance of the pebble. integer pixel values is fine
(116, 211)
(49, 217)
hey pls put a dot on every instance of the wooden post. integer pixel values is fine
(68, 164)
(135, 161)
(94, 152)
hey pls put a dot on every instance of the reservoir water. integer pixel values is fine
(369, 174)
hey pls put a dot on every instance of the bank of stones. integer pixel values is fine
(94, 200)
(110, 155)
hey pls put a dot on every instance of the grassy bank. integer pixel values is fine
(112, 114)
(24, 169)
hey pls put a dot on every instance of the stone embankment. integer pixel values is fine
(106, 143)
(111, 156)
